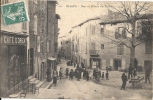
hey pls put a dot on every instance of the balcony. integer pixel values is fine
(94, 52)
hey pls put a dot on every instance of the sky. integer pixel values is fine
(77, 13)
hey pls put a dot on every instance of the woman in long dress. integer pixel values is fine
(55, 78)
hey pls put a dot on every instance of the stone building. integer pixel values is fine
(93, 45)
(14, 47)
(43, 30)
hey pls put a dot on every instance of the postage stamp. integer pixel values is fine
(13, 13)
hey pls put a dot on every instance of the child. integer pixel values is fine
(102, 75)
(107, 75)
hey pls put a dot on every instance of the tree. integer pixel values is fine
(132, 12)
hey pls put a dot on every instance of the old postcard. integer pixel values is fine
(62, 49)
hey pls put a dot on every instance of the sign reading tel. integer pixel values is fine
(14, 13)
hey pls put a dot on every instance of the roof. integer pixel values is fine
(119, 18)
(95, 18)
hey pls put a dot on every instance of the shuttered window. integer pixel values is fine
(92, 46)
(120, 49)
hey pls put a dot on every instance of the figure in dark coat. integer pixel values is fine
(94, 73)
(130, 71)
(55, 77)
(79, 75)
(102, 75)
(48, 72)
(67, 72)
(71, 74)
(124, 80)
(87, 75)
(148, 70)
(107, 75)
(82, 64)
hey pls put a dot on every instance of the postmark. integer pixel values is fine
(13, 13)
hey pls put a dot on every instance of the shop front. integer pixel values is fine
(14, 60)
(52, 63)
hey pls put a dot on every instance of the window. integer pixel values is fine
(4, 2)
(120, 32)
(102, 31)
(92, 46)
(102, 46)
(120, 49)
(117, 35)
(76, 48)
(38, 44)
(35, 25)
(93, 29)
(73, 47)
(86, 47)
(146, 28)
(148, 47)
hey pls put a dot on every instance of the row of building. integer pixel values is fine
(93, 42)
(28, 48)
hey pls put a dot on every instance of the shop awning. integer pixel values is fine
(51, 58)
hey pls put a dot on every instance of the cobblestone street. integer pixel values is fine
(90, 89)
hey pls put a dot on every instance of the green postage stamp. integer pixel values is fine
(13, 13)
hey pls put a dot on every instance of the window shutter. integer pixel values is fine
(102, 46)
(124, 33)
(116, 35)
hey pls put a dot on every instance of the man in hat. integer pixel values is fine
(124, 79)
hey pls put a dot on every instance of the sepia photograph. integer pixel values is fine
(73, 49)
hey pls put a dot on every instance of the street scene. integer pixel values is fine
(52, 49)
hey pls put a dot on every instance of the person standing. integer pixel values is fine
(48, 72)
(102, 75)
(124, 80)
(107, 74)
(71, 75)
(148, 70)
(55, 78)
(60, 73)
(87, 75)
(67, 72)
(130, 71)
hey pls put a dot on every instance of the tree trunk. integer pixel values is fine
(132, 53)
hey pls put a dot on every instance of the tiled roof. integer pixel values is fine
(96, 18)
(106, 19)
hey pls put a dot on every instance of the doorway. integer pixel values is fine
(31, 61)
(117, 63)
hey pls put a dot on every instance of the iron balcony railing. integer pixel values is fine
(94, 52)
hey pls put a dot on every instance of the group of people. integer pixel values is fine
(78, 73)
(97, 74)
(132, 72)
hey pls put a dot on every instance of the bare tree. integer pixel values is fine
(132, 12)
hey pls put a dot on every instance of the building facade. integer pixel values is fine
(43, 31)
(14, 47)
(95, 42)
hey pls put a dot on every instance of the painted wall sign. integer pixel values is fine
(14, 40)
(14, 13)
